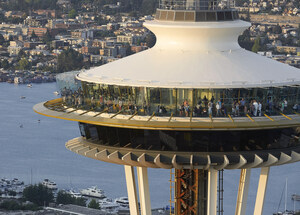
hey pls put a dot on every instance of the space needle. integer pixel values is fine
(196, 103)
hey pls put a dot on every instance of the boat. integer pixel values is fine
(108, 204)
(49, 184)
(12, 182)
(74, 193)
(22, 97)
(93, 192)
(29, 85)
(17, 182)
(56, 93)
(295, 197)
(122, 201)
(285, 212)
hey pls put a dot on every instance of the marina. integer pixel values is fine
(13, 189)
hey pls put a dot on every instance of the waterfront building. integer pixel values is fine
(196, 102)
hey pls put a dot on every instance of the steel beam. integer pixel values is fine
(144, 191)
(212, 187)
(241, 202)
(261, 191)
(131, 190)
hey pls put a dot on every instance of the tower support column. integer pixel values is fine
(212, 187)
(241, 202)
(144, 192)
(261, 190)
(131, 190)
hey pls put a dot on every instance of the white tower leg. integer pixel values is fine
(241, 202)
(261, 190)
(144, 191)
(131, 190)
(212, 192)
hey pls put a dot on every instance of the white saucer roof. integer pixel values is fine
(195, 55)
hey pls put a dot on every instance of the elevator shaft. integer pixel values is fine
(191, 192)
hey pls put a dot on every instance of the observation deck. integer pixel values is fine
(196, 11)
(148, 155)
(57, 109)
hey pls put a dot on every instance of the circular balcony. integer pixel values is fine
(183, 160)
(58, 109)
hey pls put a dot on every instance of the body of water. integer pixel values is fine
(33, 143)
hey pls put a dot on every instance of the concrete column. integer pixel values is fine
(144, 193)
(131, 190)
(212, 186)
(261, 190)
(241, 202)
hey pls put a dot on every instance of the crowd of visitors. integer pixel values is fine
(204, 107)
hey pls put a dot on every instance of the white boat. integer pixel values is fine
(122, 201)
(93, 192)
(285, 212)
(295, 197)
(50, 184)
(29, 85)
(13, 182)
(17, 182)
(74, 193)
(56, 93)
(108, 204)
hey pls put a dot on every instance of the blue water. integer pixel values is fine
(39, 147)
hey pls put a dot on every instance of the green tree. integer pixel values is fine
(2, 18)
(240, 3)
(80, 202)
(150, 40)
(256, 47)
(4, 64)
(299, 32)
(148, 7)
(2, 40)
(94, 204)
(100, 21)
(33, 35)
(21, 54)
(248, 17)
(66, 198)
(38, 194)
(47, 38)
(10, 205)
(244, 40)
(277, 29)
(128, 49)
(69, 60)
(72, 13)
(23, 64)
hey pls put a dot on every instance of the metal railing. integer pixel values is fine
(196, 4)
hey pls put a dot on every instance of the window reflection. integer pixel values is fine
(179, 102)
(196, 141)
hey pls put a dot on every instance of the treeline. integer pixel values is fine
(141, 7)
(27, 5)
(135, 7)
(69, 60)
(36, 196)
